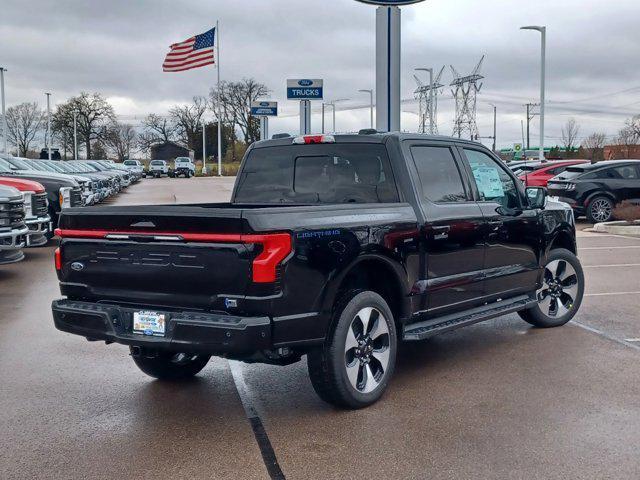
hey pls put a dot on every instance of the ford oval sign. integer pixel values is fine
(390, 2)
(304, 89)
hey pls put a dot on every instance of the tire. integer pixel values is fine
(561, 294)
(600, 209)
(170, 365)
(353, 367)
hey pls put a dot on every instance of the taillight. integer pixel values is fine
(57, 255)
(310, 139)
(276, 247)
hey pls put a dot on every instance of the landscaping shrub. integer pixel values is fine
(628, 211)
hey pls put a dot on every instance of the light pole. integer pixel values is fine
(543, 33)
(75, 135)
(204, 151)
(370, 92)
(430, 70)
(333, 105)
(4, 116)
(48, 124)
(323, 105)
(495, 114)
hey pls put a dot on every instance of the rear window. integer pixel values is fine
(326, 173)
(157, 162)
(131, 162)
(571, 173)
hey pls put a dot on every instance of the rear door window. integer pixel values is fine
(439, 175)
(628, 172)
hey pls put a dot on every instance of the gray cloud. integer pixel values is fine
(117, 48)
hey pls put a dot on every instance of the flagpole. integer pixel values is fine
(219, 104)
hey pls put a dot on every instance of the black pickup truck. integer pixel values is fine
(334, 247)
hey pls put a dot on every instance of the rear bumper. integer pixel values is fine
(214, 334)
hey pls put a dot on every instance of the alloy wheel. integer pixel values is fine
(601, 210)
(559, 290)
(367, 350)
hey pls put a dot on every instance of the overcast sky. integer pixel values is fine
(116, 47)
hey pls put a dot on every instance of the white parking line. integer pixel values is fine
(610, 293)
(626, 343)
(607, 248)
(613, 265)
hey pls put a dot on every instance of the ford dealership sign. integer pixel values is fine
(304, 89)
(264, 109)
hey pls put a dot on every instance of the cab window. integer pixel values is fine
(439, 175)
(493, 182)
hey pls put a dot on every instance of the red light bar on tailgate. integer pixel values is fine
(275, 246)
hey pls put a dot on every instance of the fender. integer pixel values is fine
(600, 193)
(398, 276)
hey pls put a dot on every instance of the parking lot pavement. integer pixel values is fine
(495, 400)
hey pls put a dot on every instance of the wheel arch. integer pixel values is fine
(376, 273)
(563, 239)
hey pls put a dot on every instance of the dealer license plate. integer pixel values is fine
(149, 323)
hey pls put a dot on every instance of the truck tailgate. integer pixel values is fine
(177, 256)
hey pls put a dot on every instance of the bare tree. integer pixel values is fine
(570, 135)
(235, 99)
(93, 113)
(24, 122)
(157, 129)
(187, 119)
(120, 138)
(595, 143)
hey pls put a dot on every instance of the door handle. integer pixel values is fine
(496, 225)
(441, 232)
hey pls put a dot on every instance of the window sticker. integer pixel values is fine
(488, 181)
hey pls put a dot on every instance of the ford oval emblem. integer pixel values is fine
(305, 83)
(77, 266)
(264, 104)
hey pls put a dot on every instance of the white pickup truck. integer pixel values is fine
(184, 166)
(157, 168)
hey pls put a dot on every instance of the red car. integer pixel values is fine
(36, 208)
(538, 174)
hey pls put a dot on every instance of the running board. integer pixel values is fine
(435, 326)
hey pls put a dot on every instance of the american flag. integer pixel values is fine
(192, 53)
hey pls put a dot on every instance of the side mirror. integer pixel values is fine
(536, 196)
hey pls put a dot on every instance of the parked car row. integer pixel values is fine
(592, 190)
(34, 192)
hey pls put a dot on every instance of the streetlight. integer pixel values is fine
(495, 114)
(430, 70)
(370, 92)
(332, 104)
(75, 135)
(48, 124)
(4, 116)
(543, 33)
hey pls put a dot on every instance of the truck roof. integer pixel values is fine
(381, 137)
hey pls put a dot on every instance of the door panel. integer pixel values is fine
(452, 235)
(511, 232)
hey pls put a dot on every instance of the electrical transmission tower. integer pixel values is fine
(465, 93)
(427, 95)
